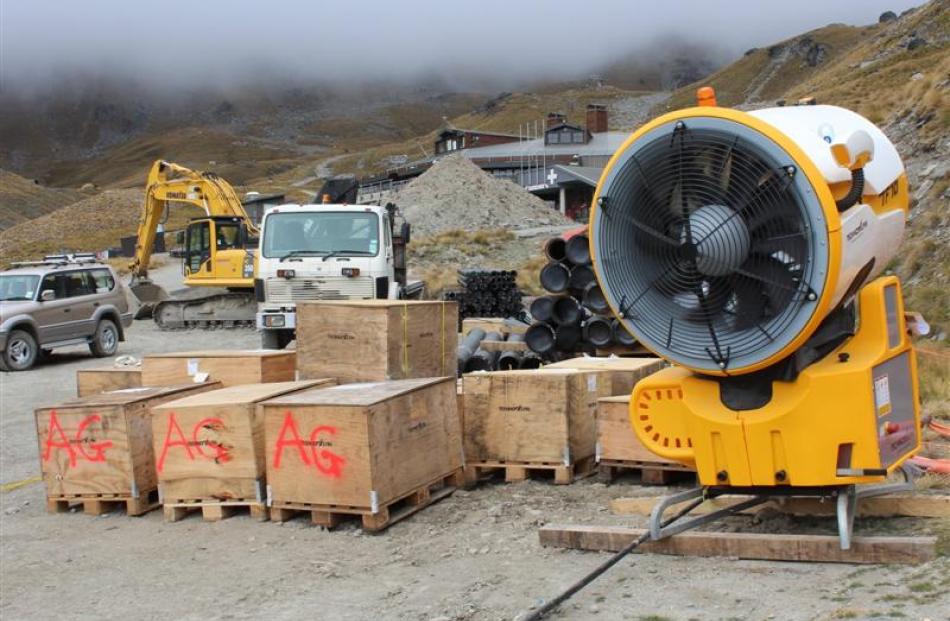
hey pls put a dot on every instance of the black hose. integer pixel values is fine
(855, 193)
(603, 567)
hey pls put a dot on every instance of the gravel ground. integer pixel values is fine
(472, 556)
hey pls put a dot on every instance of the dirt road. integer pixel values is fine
(472, 556)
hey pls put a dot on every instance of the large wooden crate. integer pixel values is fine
(99, 448)
(622, 373)
(361, 448)
(94, 381)
(619, 448)
(535, 418)
(230, 367)
(210, 447)
(376, 340)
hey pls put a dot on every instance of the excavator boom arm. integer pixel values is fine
(169, 182)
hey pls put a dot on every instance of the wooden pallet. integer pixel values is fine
(331, 516)
(98, 504)
(213, 510)
(758, 546)
(651, 473)
(520, 471)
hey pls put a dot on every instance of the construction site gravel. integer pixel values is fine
(474, 555)
(457, 194)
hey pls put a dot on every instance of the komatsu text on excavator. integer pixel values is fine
(219, 252)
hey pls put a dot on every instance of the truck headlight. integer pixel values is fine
(274, 321)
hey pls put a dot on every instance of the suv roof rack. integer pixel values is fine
(60, 259)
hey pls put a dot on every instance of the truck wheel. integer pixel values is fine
(105, 341)
(20, 353)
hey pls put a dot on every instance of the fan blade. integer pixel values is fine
(776, 279)
(718, 294)
(680, 277)
(750, 303)
(725, 174)
(676, 200)
(794, 245)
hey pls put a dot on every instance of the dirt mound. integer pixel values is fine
(95, 223)
(457, 194)
(21, 199)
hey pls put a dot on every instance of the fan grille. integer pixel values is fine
(710, 243)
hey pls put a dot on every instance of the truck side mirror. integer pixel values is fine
(48, 295)
(404, 232)
(180, 238)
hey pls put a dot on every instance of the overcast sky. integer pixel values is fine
(219, 42)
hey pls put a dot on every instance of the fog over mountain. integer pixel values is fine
(217, 43)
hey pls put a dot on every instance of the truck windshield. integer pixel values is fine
(16, 287)
(320, 233)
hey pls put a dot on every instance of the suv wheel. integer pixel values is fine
(106, 340)
(20, 353)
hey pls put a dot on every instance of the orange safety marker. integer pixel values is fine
(705, 96)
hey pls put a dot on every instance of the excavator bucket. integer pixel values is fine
(147, 295)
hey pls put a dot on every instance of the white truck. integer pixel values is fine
(327, 252)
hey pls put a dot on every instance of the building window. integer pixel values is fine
(579, 137)
(554, 137)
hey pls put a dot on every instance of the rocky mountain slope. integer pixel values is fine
(22, 199)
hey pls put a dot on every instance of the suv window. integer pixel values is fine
(18, 287)
(54, 283)
(103, 279)
(79, 283)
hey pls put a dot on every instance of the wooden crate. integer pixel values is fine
(209, 448)
(376, 340)
(94, 381)
(358, 449)
(623, 373)
(230, 367)
(98, 448)
(531, 419)
(619, 448)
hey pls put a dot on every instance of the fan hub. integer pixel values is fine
(720, 238)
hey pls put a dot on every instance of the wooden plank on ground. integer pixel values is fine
(757, 546)
(891, 505)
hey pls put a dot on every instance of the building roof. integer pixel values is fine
(589, 175)
(459, 130)
(604, 143)
(565, 124)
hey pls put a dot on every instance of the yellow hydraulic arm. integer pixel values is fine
(174, 183)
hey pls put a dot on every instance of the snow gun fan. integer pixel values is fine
(746, 248)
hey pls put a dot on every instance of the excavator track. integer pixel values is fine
(206, 312)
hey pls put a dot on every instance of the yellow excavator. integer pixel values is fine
(219, 252)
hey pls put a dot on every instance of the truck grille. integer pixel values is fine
(324, 288)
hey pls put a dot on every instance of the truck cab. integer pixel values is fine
(326, 252)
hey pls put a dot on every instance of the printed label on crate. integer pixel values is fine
(315, 451)
(882, 396)
(192, 367)
(592, 383)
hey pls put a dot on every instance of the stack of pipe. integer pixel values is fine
(487, 293)
(575, 317)
(472, 357)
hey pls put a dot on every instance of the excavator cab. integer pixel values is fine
(218, 251)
